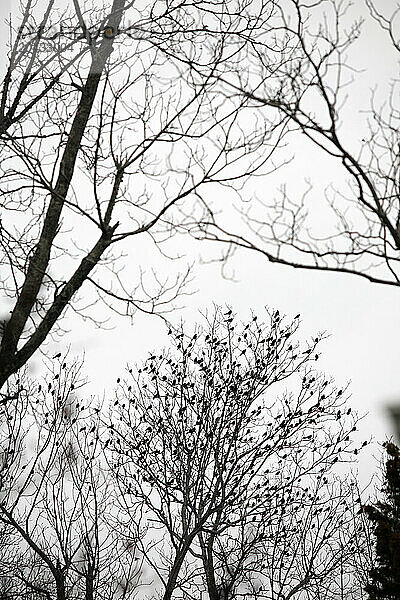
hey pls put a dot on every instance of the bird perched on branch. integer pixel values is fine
(7, 397)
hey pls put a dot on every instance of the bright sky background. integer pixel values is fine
(363, 319)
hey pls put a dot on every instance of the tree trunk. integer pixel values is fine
(38, 264)
(60, 586)
(89, 582)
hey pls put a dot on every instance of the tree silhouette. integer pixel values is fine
(384, 581)
(218, 469)
(115, 133)
(355, 228)
(55, 540)
(226, 452)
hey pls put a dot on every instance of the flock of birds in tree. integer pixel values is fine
(232, 427)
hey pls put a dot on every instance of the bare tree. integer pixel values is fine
(228, 452)
(122, 139)
(357, 229)
(119, 137)
(55, 499)
(28, 259)
(29, 78)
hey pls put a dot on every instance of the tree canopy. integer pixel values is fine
(219, 467)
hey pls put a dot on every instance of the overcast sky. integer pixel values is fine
(363, 319)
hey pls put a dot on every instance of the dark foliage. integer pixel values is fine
(385, 576)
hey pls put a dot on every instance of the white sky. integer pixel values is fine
(363, 319)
